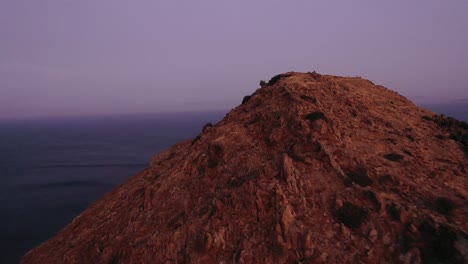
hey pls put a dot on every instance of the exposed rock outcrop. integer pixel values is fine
(311, 168)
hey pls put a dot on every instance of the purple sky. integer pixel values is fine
(81, 57)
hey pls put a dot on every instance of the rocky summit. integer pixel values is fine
(308, 169)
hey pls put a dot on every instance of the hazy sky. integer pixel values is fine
(80, 57)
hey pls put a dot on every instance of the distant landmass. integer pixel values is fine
(310, 168)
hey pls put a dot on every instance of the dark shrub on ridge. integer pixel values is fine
(246, 99)
(275, 79)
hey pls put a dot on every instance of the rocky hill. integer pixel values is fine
(310, 168)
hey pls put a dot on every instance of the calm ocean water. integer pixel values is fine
(458, 110)
(52, 169)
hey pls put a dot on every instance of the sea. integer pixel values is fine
(51, 169)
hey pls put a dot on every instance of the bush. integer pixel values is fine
(458, 129)
(407, 152)
(438, 244)
(275, 79)
(246, 99)
(427, 118)
(263, 83)
(463, 125)
(314, 75)
(315, 116)
(393, 157)
(394, 212)
(309, 98)
(206, 126)
(196, 139)
(410, 137)
(372, 197)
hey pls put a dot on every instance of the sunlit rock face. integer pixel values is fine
(311, 168)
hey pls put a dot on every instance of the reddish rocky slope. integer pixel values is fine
(309, 169)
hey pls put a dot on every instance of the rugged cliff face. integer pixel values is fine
(310, 168)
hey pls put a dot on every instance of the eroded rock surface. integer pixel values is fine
(310, 169)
